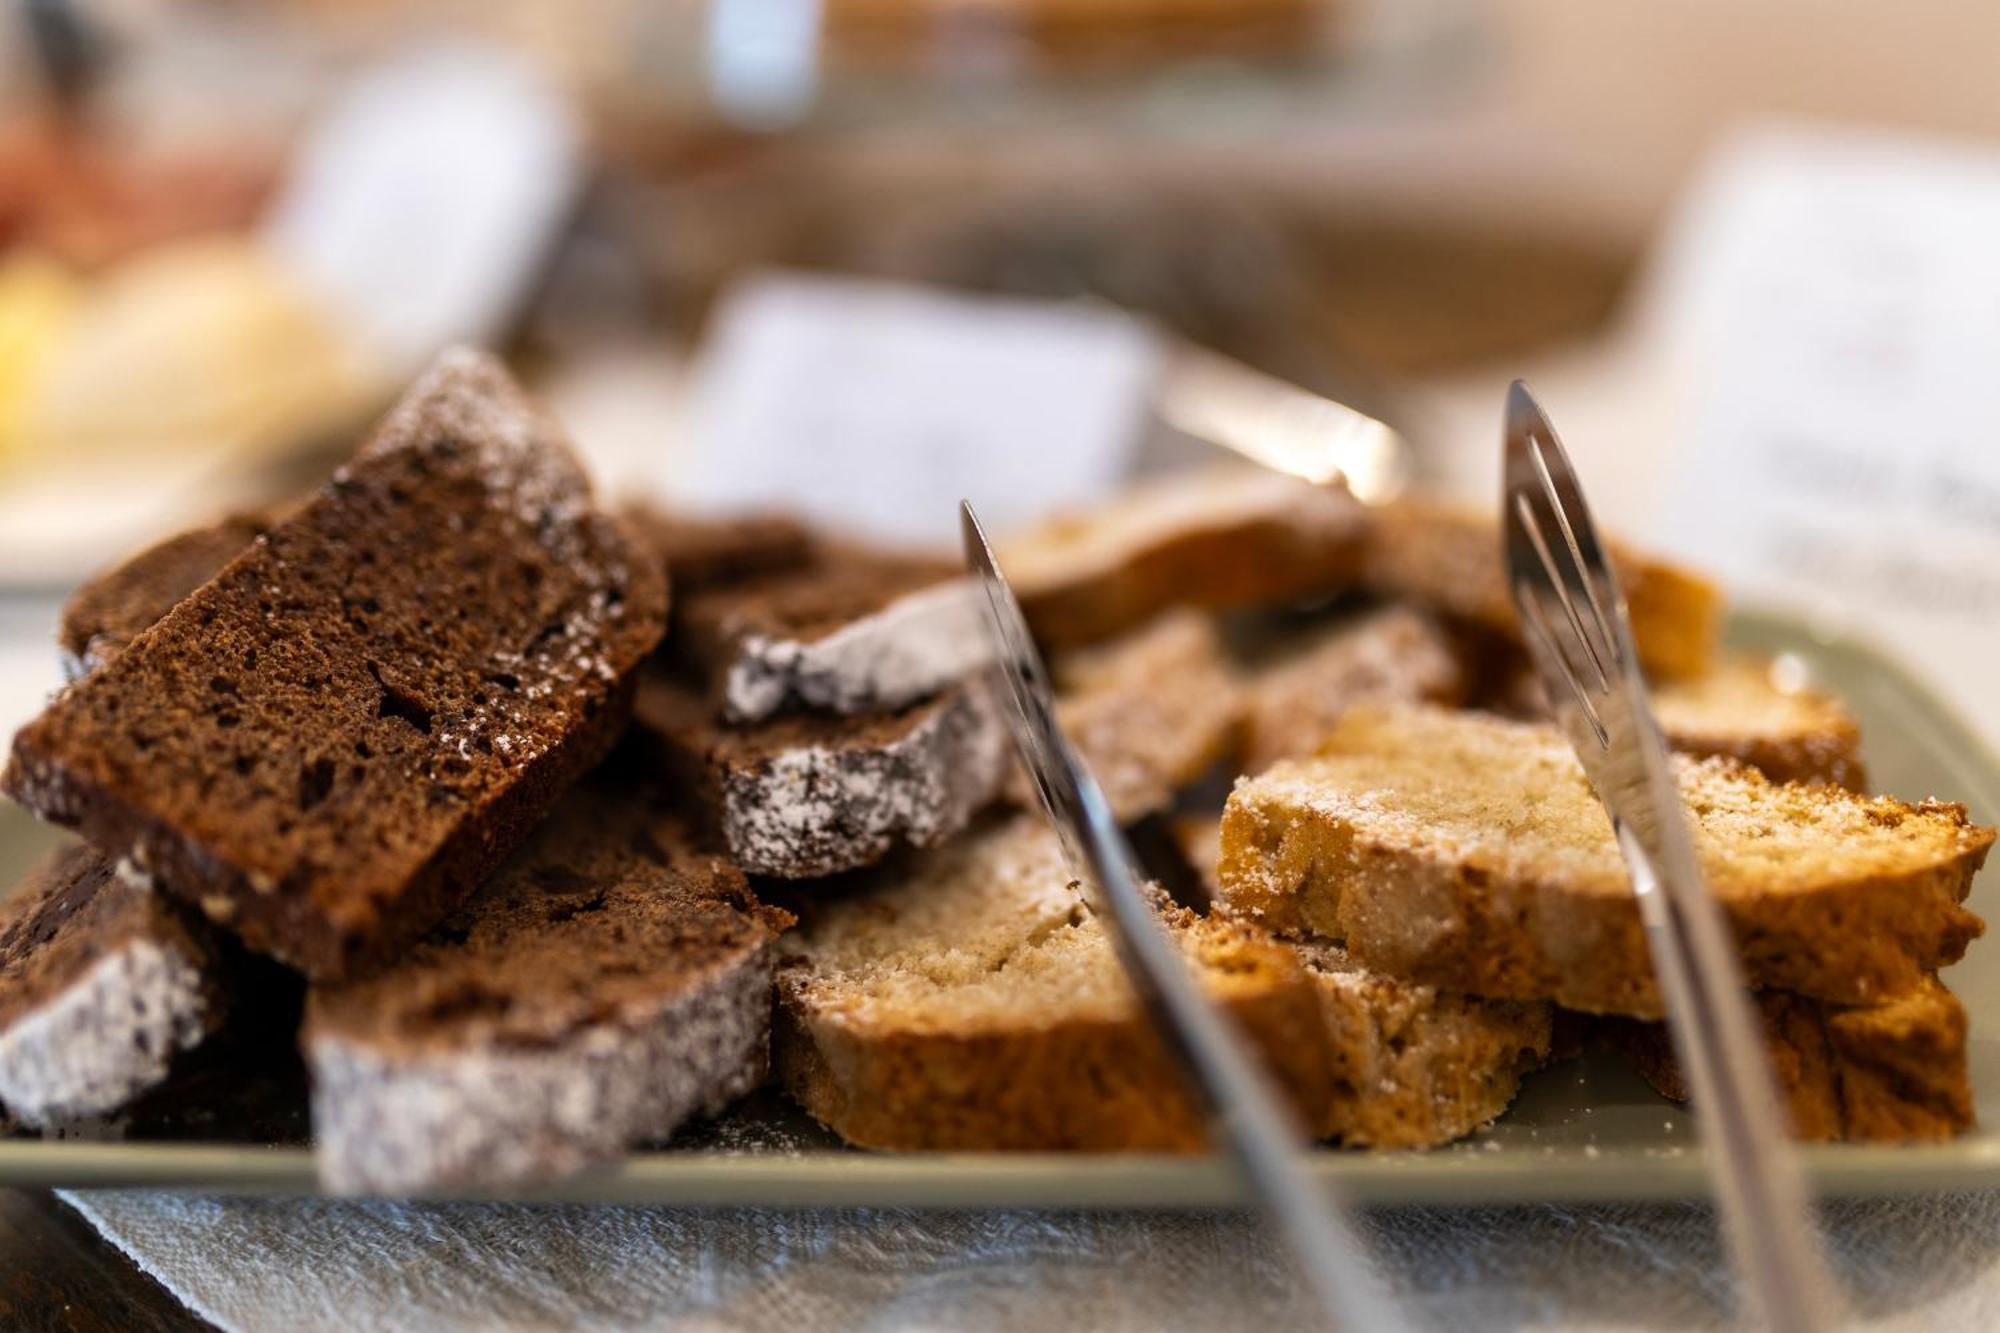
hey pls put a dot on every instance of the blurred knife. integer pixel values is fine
(1280, 425)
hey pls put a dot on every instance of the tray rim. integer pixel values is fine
(959, 1181)
(1461, 1175)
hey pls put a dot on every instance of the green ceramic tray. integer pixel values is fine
(1586, 1130)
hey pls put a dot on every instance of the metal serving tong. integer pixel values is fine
(1254, 1125)
(1573, 619)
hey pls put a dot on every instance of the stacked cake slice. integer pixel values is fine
(329, 737)
(1458, 850)
(826, 700)
(1442, 880)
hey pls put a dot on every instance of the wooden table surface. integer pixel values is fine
(58, 1276)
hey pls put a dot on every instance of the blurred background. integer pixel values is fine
(751, 251)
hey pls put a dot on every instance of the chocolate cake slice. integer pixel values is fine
(803, 795)
(340, 734)
(612, 979)
(110, 611)
(102, 983)
(851, 631)
(700, 552)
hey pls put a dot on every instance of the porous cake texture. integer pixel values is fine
(1469, 852)
(342, 732)
(972, 999)
(1150, 712)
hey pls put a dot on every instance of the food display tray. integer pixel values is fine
(1586, 1129)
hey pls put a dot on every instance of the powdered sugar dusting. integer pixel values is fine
(908, 650)
(467, 399)
(105, 1037)
(397, 1122)
(816, 809)
(1396, 654)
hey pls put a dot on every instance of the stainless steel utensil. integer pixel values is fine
(1250, 1120)
(1279, 424)
(1573, 619)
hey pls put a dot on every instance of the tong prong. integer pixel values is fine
(1551, 648)
(1553, 555)
(1598, 594)
(1251, 1118)
(1540, 509)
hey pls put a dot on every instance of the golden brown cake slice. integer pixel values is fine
(875, 35)
(1220, 538)
(1469, 852)
(1414, 1066)
(1448, 557)
(971, 999)
(1150, 712)
(1749, 709)
(1893, 1072)
(1395, 654)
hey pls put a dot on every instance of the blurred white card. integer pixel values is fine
(1831, 304)
(877, 407)
(423, 202)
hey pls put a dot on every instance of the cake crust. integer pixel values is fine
(113, 608)
(850, 631)
(698, 552)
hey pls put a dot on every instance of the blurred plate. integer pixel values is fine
(1584, 1130)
